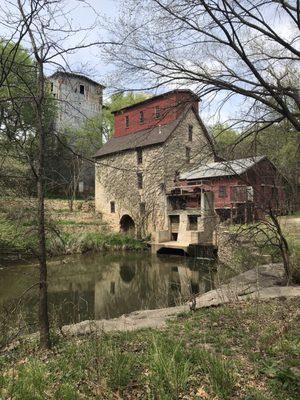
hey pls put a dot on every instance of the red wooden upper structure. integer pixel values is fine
(246, 187)
(158, 110)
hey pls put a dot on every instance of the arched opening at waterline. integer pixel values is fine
(127, 272)
(127, 225)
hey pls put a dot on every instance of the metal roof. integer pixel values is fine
(224, 168)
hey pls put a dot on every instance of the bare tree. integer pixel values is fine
(262, 198)
(44, 28)
(239, 51)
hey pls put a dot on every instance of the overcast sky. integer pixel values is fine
(90, 62)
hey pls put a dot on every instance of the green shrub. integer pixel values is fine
(22, 239)
(243, 259)
(16, 238)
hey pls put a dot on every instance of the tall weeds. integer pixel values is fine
(169, 368)
(218, 370)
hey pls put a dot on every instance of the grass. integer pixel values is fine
(76, 223)
(66, 222)
(65, 235)
(18, 238)
(170, 367)
(246, 351)
(296, 214)
(98, 241)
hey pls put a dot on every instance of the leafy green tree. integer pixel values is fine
(281, 144)
(79, 146)
(16, 117)
(225, 139)
(18, 120)
(72, 161)
(88, 138)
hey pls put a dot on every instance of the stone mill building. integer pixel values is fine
(79, 99)
(153, 142)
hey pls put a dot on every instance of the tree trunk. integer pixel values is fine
(43, 293)
(284, 247)
(39, 99)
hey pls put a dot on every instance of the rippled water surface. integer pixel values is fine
(105, 286)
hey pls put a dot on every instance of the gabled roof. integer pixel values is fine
(148, 137)
(157, 134)
(224, 168)
(76, 76)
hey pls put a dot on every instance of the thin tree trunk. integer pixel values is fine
(284, 247)
(39, 104)
(43, 293)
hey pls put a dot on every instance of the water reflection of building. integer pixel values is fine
(112, 286)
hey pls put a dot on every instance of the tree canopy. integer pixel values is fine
(241, 53)
(280, 143)
(18, 121)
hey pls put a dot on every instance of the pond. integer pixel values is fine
(98, 286)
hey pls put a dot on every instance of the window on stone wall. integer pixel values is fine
(127, 121)
(157, 112)
(142, 208)
(52, 86)
(112, 287)
(112, 207)
(81, 89)
(190, 133)
(222, 191)
(141, 117)
(140, 180)
(139, 156)
(188, 155)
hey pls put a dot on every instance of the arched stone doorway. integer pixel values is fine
(127, 225)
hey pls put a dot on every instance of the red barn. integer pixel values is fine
(242, 189)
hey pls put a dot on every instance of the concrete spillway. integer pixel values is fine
(208, 251)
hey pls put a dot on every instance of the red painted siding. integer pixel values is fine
(171, 105)
(266, 182)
